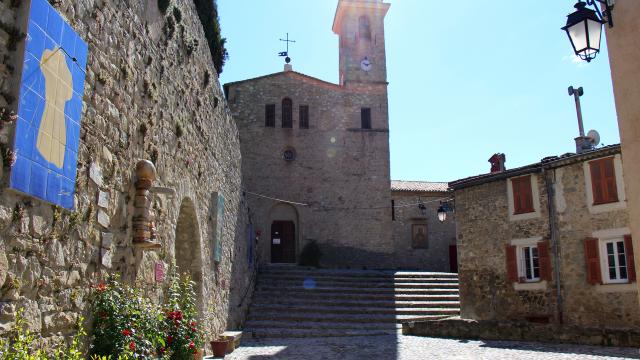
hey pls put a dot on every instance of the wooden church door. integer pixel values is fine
(283, 242)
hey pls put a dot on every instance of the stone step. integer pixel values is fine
(285, 291)
(302, 302)
(345, 273)
(258, 324)
(313, 333)
(303, 295)
(295, 316)
(364, 309)
(375, 285)
(390, 279)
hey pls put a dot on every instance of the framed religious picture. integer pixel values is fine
(419, 236)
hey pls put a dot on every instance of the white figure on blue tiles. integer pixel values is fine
(52, 134)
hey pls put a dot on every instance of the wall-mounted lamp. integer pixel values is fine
(584, 27)
(423, 208)
(444, 208)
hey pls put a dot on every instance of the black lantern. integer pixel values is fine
(584, 27)
(442, 214)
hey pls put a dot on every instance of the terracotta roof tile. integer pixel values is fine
(424, 186)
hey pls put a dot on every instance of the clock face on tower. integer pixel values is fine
(365, 64)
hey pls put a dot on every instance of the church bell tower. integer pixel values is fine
(360, 25)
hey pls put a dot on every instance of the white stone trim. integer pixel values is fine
(531, 286)
(603, 237)
(526, 242)
(622, 198)
(535, 194)
(616, 288)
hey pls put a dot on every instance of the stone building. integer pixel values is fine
(420, 240)
(150, 92)
(548, 242)
(324, 148)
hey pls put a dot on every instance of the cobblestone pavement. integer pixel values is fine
(417, 348)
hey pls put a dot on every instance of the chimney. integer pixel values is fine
(288, 67)
(497, 162)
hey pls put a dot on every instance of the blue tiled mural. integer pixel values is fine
(50, 108)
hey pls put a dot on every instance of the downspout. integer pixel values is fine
(549, 177)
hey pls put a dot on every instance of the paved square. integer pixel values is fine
(417, 348)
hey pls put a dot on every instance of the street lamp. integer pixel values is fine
(584, 27)
(444, 208)
(442, 214)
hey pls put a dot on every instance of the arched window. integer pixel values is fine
(287, 113)
(364, 29)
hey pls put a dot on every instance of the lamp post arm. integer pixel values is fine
(606, 14)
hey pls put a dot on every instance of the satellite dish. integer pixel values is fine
(594, 137)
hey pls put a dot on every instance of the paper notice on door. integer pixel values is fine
(276, 241)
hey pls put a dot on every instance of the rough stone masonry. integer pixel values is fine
(151, 92)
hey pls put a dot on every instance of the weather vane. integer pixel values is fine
(287, 59)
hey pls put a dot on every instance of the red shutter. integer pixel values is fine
(609, 180)
(512, 264)
(596, 182)
(544, 260)
(522, 196)
(631, 264)
(592, 258)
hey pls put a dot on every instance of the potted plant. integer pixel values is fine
(219, 347)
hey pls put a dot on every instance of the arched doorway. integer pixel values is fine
(284, 230)
(188, 248)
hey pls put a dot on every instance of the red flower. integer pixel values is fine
(102, 287)
(193, 324)
(178, 315)
(169, 339)
(126, 332)
(192, 345)
(132, 346)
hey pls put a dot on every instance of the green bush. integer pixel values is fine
(208, 14)
(19, 344)
(310, 254)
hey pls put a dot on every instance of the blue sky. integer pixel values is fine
(467, 78)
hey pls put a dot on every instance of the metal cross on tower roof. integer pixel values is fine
(287, 59)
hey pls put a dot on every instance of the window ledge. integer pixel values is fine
(368, 130)
(617, 288)
(531, 286)
(606, 207)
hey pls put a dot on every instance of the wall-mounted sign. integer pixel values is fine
(50, 108)
(159, 270)
(217, 245)
(276, 241)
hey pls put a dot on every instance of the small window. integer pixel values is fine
(529, 264)
(603, 181)
(287, 113)
(304, 116)
(522, 195)
(270, 115)
(364, 28)
(365, 118)
(393, 210)
(615, 261)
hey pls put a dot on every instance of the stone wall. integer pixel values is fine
(440, 236)
(151, 92)
(340, 172)
(484, 229)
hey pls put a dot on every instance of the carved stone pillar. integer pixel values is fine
(144, 230)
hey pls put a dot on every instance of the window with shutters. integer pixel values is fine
(364, 28)
(270, 115)
(528, 261)
(287, 113)
(365, 118)
(304, 116)
(522, 195)
(603, 181)
(609, 258)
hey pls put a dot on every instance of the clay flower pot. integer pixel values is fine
(219, 347)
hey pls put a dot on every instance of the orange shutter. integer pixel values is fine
(596, 182)
(609, 180)
(631, 264)
(544, 260)
(522, 196)
(512, 264)
(592, 258)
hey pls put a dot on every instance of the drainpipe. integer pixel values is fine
(549, 177)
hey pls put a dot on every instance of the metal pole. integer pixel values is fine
(576, 95)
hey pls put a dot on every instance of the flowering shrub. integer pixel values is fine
(183, 337)
(125, 323)
(129, 326)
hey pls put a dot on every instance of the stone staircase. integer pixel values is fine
(292, 301)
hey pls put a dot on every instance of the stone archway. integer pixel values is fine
(188, 248)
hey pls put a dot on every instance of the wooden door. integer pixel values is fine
(453, 258)
(283, 242)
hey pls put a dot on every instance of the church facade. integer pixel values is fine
(324, 147)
